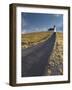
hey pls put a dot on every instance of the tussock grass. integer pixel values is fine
(31, 39)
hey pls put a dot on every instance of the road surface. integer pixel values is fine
(35, 58)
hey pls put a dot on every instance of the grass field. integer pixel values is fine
(55, 66)
(30, 39)
(55, 63)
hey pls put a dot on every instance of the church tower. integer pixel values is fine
(54, 28)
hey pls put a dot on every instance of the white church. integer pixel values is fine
(53, 29)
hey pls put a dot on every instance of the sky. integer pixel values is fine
(37, 22)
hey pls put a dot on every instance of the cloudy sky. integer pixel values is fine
(36, 22)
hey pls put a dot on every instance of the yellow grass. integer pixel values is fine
(31, 39)
(59, 38)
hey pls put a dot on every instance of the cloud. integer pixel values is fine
(36, 29)
(57, 15)
(24, 23)
(24, 31)
(39, 29)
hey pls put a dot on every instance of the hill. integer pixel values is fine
(55, 63)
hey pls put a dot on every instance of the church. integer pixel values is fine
(52, 29)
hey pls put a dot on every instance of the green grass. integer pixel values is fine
(31, 39)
